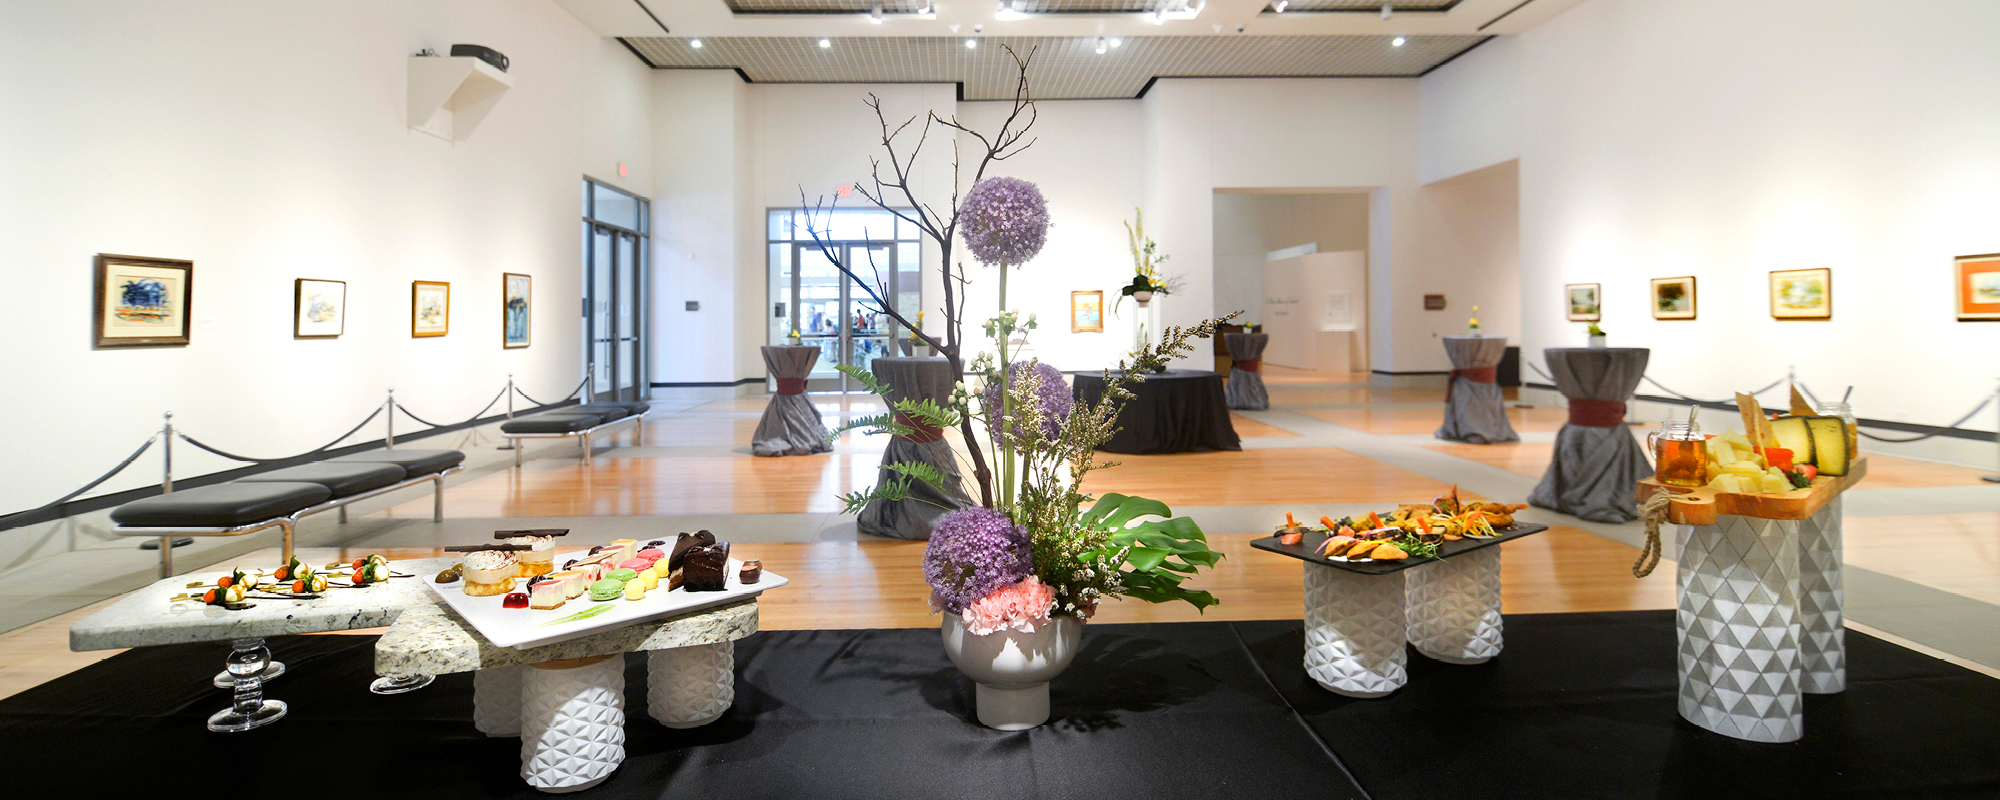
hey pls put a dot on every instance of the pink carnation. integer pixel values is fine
(1017, 607)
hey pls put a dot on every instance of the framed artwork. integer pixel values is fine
(1673, 298)
(430, 308)
(1979, 287)
(1433, 302)
(143, 302)
(1802, 294)
(1086, 312)
(319, 309)
(515, 288)
(1586, 302)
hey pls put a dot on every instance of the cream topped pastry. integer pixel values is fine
(539, 559)
(489, 572)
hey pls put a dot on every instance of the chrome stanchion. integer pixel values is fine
(389, 419)
(1996, 439)
(506, 443)
(166, 544)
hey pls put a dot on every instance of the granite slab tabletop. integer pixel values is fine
(148, 617)
(433, 640)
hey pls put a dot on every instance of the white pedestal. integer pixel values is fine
(1738, 628)
(572, 722)
(1822, 626)
(496, 701)
(1454, 607)
(1354, 631)
(688, 687)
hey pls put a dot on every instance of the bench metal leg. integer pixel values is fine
(586, 448)
(517, 452)
(166, 556)
(437, 499)
(287, 526)
(343, 515)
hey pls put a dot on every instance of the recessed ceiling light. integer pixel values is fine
(1388, 9)
(694, 43)
(875, 14)
(1007, 11)
(971, 44)
(825, 43)
(1102, 45)
(1115, 41)
(1398, 41)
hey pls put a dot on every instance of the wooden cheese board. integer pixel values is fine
(1700, 505)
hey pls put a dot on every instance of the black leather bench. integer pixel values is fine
(578, 422)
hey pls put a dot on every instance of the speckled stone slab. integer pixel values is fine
(431, 640)
(147, 617)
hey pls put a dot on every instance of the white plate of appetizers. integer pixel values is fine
(522, 628)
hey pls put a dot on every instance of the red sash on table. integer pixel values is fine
(1596, 413)
(1248, 365)
(1474, 374)
(919, 432)
(791, 386)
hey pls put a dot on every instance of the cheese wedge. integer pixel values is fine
(1829, 443)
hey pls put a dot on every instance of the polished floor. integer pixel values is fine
(1331, 444)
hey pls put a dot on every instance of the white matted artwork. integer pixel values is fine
(1338, 313)
(319, 309)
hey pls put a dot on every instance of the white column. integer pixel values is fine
(1354, 631)
(1738, 628)
(688, 687)
(1454, 607)
(572, 722)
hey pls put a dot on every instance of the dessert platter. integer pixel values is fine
(520, 592)
(1411, 534)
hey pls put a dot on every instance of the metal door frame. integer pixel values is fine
(845, 347)
(641, 308)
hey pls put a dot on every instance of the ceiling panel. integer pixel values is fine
(1065, 68)
(1368, 6)
(823, 6)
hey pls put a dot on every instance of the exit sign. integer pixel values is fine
(844, 190)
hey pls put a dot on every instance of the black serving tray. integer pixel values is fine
(1304, 550)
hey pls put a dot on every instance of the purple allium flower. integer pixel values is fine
(972, 552)
(1053, 394)
(1005, 220)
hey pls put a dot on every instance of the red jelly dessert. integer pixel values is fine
(514, 600)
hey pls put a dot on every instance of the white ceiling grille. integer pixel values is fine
(823, 6)
(1367, 6)
(1065, 68)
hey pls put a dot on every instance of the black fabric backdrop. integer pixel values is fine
(1180, 411)
(1579, 705)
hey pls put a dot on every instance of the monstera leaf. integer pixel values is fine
(1152, 557)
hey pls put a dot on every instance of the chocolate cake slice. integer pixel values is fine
(684, 543)
(706, 568)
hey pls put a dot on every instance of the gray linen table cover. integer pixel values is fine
(915, 515)
(1246, 387)
(791, 426)
(1594, 472)
(1475, 411)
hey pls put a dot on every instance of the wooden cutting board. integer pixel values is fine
(1700, 505)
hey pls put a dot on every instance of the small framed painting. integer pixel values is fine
(515, 288)
(1433, 302)
(1586, 303)
(430, 308)
(1802, 294)
(1673, 298)
(1086, 312)
(143, 302)
(319, 309)
(1979, 287)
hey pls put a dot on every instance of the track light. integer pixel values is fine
(1278, 7)
(1388, 9)
(927, 11)
(694, 43)
(825, 43)
(1115, 41)
(1396, 42)
(1007, 11)
(1102, 46)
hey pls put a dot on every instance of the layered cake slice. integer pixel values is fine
(705, 568)
(547, 594)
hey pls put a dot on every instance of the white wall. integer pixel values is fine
(266, 141)
(1306, 330)
(700, 120)
(1821, 133)
(1248, 226)
(1474, 239)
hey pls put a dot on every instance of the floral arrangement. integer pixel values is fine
(1146, 261)
(1593, 330)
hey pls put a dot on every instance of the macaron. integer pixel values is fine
(635, 564)
(607, 589)
(650, 578)
(651, 554)
(622, 574)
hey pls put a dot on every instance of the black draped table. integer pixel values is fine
(1246, 379)
(1596, 461)
(912, 517)
(791, 426)
(1474, 409)
(1177, 411)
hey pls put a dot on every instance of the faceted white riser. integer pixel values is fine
(496, 701)
(1454, 607)
(688, 687)
(572, 725)
(1738, 628)
(1354, 631)
(1822, 629)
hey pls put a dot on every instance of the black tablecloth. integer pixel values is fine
(1176, 412)
(1579, 706)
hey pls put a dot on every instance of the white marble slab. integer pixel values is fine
(435, 640)
(148, 617)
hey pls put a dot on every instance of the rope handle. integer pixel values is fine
(1654, 512)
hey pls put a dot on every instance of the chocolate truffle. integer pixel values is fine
(752, 571)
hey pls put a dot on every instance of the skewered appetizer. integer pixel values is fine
(310, 584)
(372, 569)
(293, 570)
(224, 595)
(1292, 532)
(489, 572)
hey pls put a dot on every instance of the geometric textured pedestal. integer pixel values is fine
(496, 701)
(572, 722)
(1738, 628)
(1822, 629)
(1354, 631)
(687, 687)
(1454, 607)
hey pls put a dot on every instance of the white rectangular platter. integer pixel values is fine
(519, 628)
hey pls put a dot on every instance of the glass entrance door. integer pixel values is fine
(614, 303)
(833, 314)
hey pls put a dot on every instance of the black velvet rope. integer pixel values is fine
(579, 387)
(475, 416)
(320, 449)
(6, 520)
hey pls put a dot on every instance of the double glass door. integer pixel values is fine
(611, 311)
(834, 314)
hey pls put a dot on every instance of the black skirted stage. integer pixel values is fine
(1579, 706)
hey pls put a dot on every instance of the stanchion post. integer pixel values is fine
(1996, 436)
(389, 416)
(506, 443)
(167, 487)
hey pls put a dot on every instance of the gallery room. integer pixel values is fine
(1002, 398)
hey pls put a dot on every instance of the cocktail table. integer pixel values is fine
(1359, 614)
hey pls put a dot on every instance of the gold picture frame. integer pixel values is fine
(1674, 298)
(516, 310)
(1802, 293)
(142, 302)
(430, 309)
(1978, 281)
(1585, 301)
(1086, 311)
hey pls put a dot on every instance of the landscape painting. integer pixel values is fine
(1585, 302)
(1979, 287)
(1086, 311)
(142, 302)
(1673, 298)
(319, 309)
(1802, 294)
(514, 319)
(430, 308)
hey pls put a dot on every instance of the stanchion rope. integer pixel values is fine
(579, 387)
(1937, 430)
(86, 487)
(475, 416)
(320, 449)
